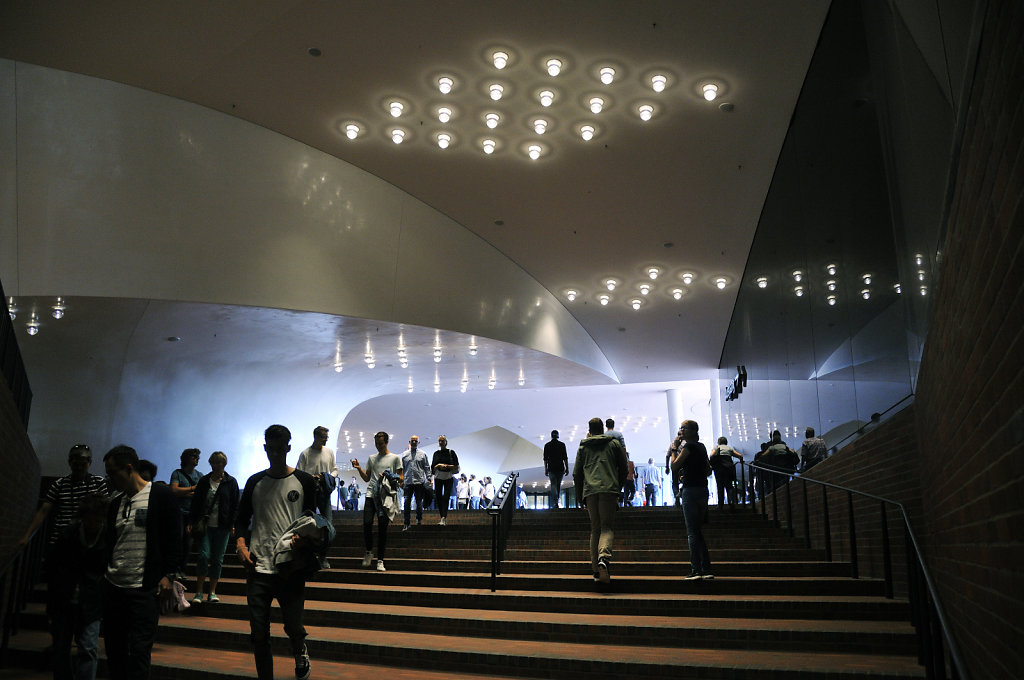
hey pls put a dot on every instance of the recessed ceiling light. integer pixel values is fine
(798, 291)
(444, 114)
(603, 299)
(554, 67)
(867, 279)
(534, 151)
(540, 126)
(352, 130)
(587, 132)
(653, 272)
(798, 275)
(570, 295)
(397, 135)
(496, 90)
(444, 140)
(546, 97)
(831, 300)
(710, 91)
(610, 284)
(492, 119)
(607, 75)
(677, 293)
(500, 59)
(720, 282)
(646, 111)
(635, 303)
(488, 146)
(445, 84)
(687, 277)
(645, 288)
(658, 82)
(762, 281)
(831, 269)
(866, 293)
(596, 104)
(396, 108)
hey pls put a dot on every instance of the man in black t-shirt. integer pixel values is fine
(556, 466)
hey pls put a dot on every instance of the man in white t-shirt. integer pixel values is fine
(476, 492)
(379, 463)
(318, 460)
(144, 528)
(272, 500)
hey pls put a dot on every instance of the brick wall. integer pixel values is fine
(970, 403)
(19, 483)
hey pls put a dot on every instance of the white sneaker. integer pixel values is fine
(380, 565)
(367, 558)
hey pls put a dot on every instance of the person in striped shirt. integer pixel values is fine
(66, 493)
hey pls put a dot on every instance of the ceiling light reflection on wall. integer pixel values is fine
(798, 275)
(472, 346)
(607, 75)
(546, 97)
(831, 300)
(831, 269)
(762, 282)
(12, 308)
(445, 84)
(710, 91)
(500, 59)
(58, 308)
(798, 291)
(898, 288)
(866, 278)
(830, 284)
(32, 325)
(658, 82)
(866, 293)
(587, 132)
(554, 67)
(495, 90)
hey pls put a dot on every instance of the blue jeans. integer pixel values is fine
(695, 510)
(410, 491)
(290, 592)
(211, 552)
(86, 636)
(556, 488)
(474, 502)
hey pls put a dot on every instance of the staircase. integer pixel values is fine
(774, 610)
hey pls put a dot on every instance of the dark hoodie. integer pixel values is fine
(601, 466)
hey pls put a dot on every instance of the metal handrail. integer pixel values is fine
(17, 579)
(500, 510)
(924, 598)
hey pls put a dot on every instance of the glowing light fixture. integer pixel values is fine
(831, 269)
(33, 324)
(920, 275)
(496, 91)
(677, 293)
(658, 82)
(587, 132)
(798, 275)
(798, 291)
(596, 104)
(445, 84)
(924, 290)
(603, 299)
(488, 145)
(866, 293)
(540, 126)
(554, 67)
(645, 288)
(646, 112)
(688, 277)
(397, 136)
(396, 108)
(58, 309)
(919, 259)
(635, 303)
(607, 75)
(830, 284)
(710, 91)
(444, 114)
(351, 130)
(492, 119)
(831, 300)
(533, 151)
(720, 282)
(546, 97)
(437, 355)
(898, 288)
(867, 279)
(570, 295)
(443, 140)
(611, 283)
(762, 282)
(653, 272)
(12, 309)
(338, 368)
(500, 59)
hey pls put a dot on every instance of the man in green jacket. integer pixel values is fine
(599, 474)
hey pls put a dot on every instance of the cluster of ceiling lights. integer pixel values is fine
(627, 423)
(457, 119)
(830, 282)
(739, 429)
(32, 323)
(637, 295)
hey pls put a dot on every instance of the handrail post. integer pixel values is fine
(494, 552)
(827, 523)
(789, 504)
(743, 484)
(886, 555)
(854, 570)
(807, 518)
(764, 500)
(775, 500)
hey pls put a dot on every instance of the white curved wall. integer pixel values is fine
(124, 193)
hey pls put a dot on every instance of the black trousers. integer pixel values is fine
(442, 494)
(130, 618)
(369, 513)
(290, 592)
(419, 492)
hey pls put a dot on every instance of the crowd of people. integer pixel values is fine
(118, 544)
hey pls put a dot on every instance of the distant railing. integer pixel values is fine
(500, 511)
(18, 576)
(936, 645)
